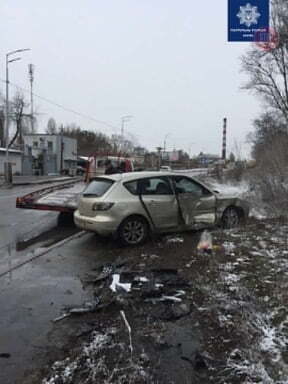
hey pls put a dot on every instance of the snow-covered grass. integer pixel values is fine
(101, 360)
(249, 296)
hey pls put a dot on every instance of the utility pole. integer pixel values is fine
(31, 68)
(62, 150)
(164, 146)
(8, 166)
(123, 120)
(159, 149)
(224, 139)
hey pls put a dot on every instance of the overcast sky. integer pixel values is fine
(166, 62)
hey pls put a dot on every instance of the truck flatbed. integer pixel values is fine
(59, 198)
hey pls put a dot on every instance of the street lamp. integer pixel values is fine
(8, 170)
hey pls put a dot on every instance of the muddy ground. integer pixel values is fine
(188, 317)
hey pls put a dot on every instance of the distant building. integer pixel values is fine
(51, 154)
(15, 157)
(206, 159)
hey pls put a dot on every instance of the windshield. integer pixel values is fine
(97, 187)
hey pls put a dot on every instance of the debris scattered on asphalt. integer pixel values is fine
(129, 331)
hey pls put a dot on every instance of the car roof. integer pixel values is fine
(139, 175)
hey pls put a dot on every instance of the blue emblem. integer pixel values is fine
(247, 19)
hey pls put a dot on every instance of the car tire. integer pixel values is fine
(65, 219)
(231, 218)
(133, 231)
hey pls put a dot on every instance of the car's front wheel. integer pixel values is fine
(133, 231)
(231, 218)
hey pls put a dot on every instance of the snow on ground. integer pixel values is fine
(257, 283)
(94, 364)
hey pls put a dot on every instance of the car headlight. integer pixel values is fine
(102, 206)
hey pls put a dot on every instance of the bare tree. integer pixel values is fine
(18, 116)
(268, 69)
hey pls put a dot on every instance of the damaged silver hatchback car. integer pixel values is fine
(132, 205)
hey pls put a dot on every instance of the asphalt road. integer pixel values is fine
(35, 294)
(17, 223)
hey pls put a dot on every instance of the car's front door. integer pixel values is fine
(197, 204)
(160, 201)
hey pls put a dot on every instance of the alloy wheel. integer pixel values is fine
(133, 231)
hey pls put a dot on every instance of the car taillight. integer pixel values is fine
(102, 206)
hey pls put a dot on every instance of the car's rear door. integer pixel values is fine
(197, 204)
(160, 201)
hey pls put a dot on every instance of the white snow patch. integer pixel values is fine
(228, 246)
(175, 240)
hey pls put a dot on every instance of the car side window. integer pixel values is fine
(185, 185)
(132, 187)
(150, 186)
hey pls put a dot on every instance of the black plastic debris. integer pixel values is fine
(87, 308)
(5, 355)
(172, 312)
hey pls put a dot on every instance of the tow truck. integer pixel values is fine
(63, 198)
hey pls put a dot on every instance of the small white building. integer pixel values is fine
(15, 157)
(52, 153)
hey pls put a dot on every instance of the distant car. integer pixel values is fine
(165, 168)
(132, 205)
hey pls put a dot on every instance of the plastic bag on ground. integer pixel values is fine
(205, 243)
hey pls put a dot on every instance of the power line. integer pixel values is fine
(63, 107)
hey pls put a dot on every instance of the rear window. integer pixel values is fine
(97, 187)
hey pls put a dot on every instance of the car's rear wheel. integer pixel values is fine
(231, 218)
(133, 231)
